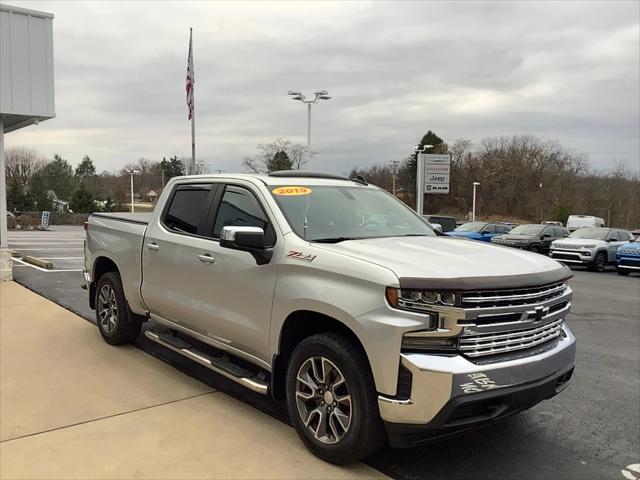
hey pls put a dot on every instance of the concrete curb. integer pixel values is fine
(38, 262)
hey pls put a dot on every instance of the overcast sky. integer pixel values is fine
(568, 71)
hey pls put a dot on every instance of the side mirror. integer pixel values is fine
(242, 238)
(546, 235)
(437, 226)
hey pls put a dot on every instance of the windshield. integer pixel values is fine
(336, 213)
(471, 227)
(528, 230)
(591, 233)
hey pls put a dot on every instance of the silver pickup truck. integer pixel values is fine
(336, 297)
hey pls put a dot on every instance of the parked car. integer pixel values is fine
(552, 222)
(535, 238)
(369, 330)
(574, 222)
(482, 231)
(593, 247)
(448, 224)
(628, 257)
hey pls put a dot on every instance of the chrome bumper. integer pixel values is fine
(438, 379)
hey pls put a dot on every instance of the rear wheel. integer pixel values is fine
(599, 263)
(332, 399)
(117, 324)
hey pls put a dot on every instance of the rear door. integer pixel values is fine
(171, 255)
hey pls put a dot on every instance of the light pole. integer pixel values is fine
(473, 212)
(317, 96)
(131, 174)
(420, 177)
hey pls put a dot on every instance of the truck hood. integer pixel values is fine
(454, 263)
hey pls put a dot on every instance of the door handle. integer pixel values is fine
(153, 246)
(206, 258)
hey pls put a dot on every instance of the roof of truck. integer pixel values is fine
(295, 177)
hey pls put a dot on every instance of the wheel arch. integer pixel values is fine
(299, 325)
(101, 265)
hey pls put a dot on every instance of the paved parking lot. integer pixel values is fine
(591, 430)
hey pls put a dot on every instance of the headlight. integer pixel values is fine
(421, 300)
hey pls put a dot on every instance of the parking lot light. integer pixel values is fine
(132, 173)
(473, 212)
(317, 96)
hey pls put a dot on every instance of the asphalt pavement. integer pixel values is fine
(591, 430)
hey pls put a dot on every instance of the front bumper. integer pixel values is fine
(630, 263)
(451, 393)
(577, 257)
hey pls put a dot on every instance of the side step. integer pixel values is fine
(219, 365)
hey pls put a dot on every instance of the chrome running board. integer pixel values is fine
(221, 366)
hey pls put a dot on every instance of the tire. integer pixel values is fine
(331, 356)
(117, 324)
(535, 249)
(623, 272)
(599, 263)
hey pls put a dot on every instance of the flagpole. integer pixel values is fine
(193, 109)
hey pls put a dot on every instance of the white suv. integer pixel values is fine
(594, 247)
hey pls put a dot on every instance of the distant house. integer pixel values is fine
(60, 206)
(151, 196)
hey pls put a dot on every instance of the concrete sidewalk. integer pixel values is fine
(72, 406)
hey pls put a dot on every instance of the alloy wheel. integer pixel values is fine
(107, 309)
(323, 400)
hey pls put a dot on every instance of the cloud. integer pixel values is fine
(562, 70)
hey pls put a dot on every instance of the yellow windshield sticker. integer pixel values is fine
(291, 191)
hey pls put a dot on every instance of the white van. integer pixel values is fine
(574, 222)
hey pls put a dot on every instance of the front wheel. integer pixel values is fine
(332, 399)
(534, 249)
(600, 262)
(623, 272)
(117, 324)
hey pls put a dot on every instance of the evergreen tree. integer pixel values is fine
(85, 169)
(82, 200)
(280, 161)
(58, 176)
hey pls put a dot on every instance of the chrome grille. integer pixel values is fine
(502, 321)
(506, 298)
(479, 345)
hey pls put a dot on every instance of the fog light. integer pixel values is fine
(418, 341)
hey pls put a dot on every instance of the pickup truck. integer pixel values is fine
(334, 296)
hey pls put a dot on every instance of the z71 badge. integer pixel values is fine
(479, 383)
(294, 255)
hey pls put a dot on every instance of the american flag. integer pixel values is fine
(190, 80)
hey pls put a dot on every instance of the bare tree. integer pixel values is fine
(262, 162)
(22, 164)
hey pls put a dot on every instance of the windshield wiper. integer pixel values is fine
(335, 239)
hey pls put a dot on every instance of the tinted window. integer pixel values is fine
(613, 236)
(187, 209)
(239, 208)
(502, 229)
(622, 235)
(489, 229)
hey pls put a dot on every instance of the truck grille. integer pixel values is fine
(506, 298)
(503, 321)
(495, 343)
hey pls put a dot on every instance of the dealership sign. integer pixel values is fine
(436, 171)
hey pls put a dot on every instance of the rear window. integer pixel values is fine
(187, 209)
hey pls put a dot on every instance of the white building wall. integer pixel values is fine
(26, 66)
